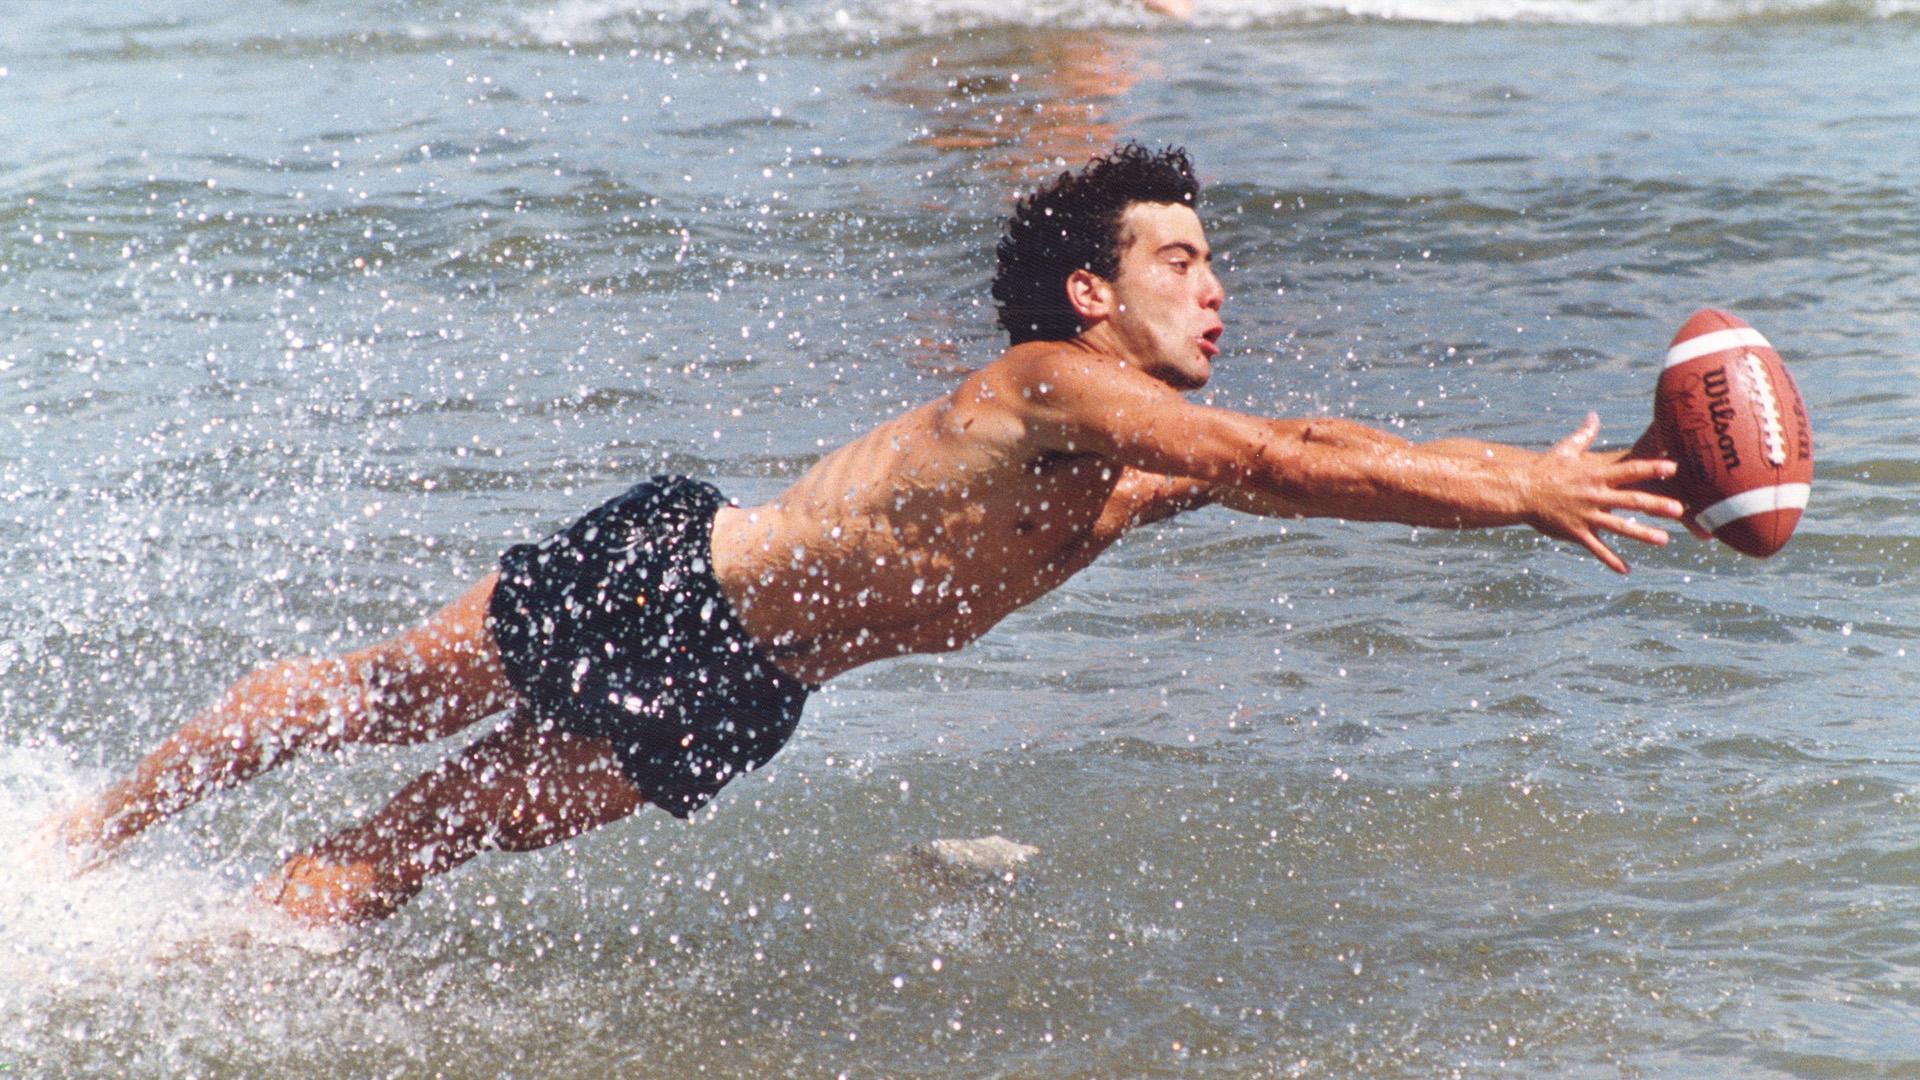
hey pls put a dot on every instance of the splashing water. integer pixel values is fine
(65, 934)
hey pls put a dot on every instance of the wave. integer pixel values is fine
(720, 27)
(610, 22)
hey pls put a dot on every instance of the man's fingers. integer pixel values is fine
(1641, 471)
(1634, 530)
(1602, 552)
(1587, 537)
(1643, 503)
(1633, 475)
(1582, 436)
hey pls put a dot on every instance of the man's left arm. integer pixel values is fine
(1336, 468)
(1500, 457)
(1142, 498)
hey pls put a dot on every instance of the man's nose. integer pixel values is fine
(1214, 294)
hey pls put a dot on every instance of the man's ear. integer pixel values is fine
(1091, 296)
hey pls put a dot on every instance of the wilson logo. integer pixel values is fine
(1720, 410)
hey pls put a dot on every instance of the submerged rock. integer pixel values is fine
(983, 863)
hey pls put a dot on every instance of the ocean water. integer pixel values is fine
(312, 308)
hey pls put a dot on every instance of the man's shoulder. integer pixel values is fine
(1032, 362)
(1034, 358)
(1062, 397)
(1063, 371)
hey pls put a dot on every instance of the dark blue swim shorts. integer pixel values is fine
(615, 628)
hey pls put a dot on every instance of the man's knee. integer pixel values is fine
(367, 696)
(385, 690)
(322, 891)
(566, 786)
(293, 702)
(427, 683)
(533, 818)
(399, 694)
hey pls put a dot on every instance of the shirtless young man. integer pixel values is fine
(667, 641)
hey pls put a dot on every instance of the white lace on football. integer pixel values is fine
(1733, 337)
(1773, 434)
(1764, 500)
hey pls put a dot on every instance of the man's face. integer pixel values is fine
(1168, 300)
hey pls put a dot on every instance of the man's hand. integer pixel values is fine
(1576, 495)
(1651, 445)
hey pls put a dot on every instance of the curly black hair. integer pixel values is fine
(1072, 223)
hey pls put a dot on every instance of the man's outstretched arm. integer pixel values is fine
(1568, 492)
(1337, 468)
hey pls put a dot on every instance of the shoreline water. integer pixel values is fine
(313, 311)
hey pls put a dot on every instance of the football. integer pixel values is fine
(1729, 415)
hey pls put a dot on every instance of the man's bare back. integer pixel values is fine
(925, 532)
(918, 536)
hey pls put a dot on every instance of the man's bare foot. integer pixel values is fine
(66, 844)
(1173, 9)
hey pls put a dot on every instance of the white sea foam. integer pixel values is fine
(59, 932)
(608, 21)
(614, 22)
(1580, 12)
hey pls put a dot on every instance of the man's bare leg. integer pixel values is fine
(427, 683)
(522, 787)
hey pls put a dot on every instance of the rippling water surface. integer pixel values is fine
(311, 309)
